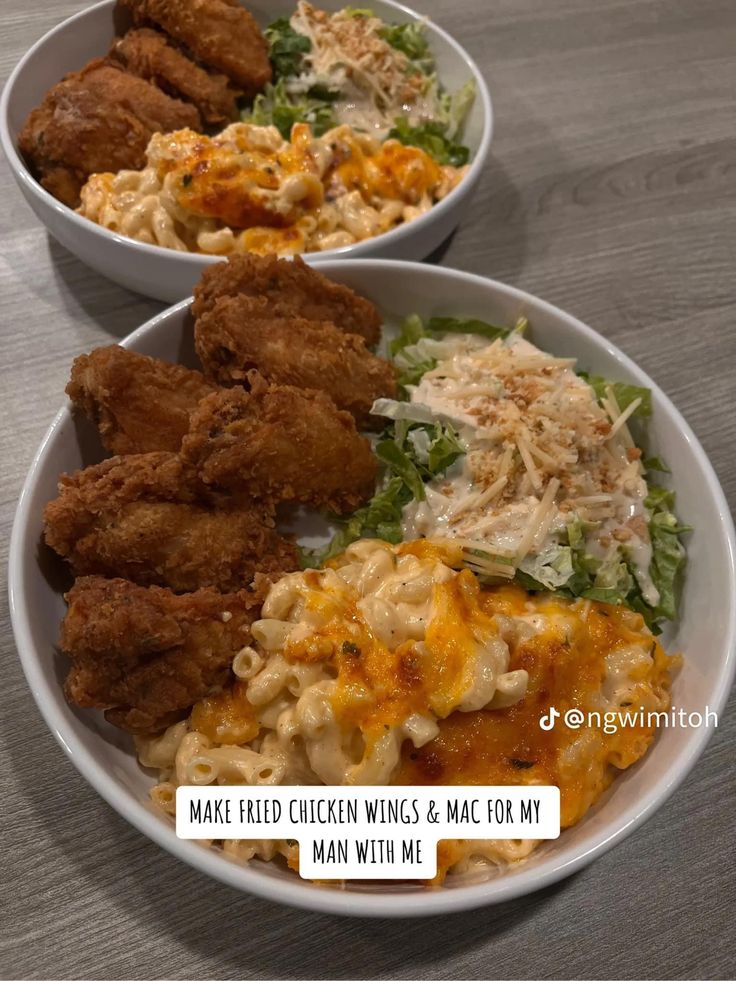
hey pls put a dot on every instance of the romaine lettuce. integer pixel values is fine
(380, 518)
(286, 48)
(411, 40)
(430, 136)
(412, 453)
(277, 107)
(625, 394)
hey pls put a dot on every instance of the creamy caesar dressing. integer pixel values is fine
(376, 82)
(544, 464)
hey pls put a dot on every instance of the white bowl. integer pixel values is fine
(168, 275)
(706, 633)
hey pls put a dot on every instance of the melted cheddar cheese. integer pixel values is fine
(380, 684)
(226, 717)
(249, 189)
(568, 659)
(391, 666)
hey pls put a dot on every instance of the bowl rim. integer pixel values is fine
(199, 260)
(297, 893)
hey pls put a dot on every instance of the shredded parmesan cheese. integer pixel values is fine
(542, 451)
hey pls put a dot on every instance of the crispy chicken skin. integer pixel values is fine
(222, 35)
(240, 333)
(147, 655)
(148, 54)
(292, 288)
(139, 404)
(278, 443)
(97, 119)
(141, 517)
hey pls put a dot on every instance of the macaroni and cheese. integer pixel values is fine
(394, 666)
(250, 190)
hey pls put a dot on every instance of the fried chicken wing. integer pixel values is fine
(147, 655)
(141, 517)
(280, 443)
(139, 404)
(292, 288)
(98, 119)
(240, 333)
(221, 34)
(148, 54)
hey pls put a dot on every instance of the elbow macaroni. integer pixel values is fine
(354, 669)
(249, 190)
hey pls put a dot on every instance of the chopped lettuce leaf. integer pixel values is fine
(625, 394)
(615, 580)
(380, 518)
(277, 107)
(286, 48)
(654, 463)
(414, 363)
(550, 569)
(411, 40)
(415, 372)
(412, 328)
(430, 136)
(413, 453)
(400, 463)
(322, 92)
(444, 449)
(668, 552)
(396, 410)
(457, 108)
(358, 12)
(659, 499)
(418, 451)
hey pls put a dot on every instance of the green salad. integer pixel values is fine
(530, 466)
(351, 68)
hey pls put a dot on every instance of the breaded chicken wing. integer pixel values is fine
(292, 288)
(98, 119)
(240, 333)
(139, 404)
(148, 54)
(278, 443)
(147, 655)
(222, 35)
(141, 517)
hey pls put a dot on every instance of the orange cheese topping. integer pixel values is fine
(227, 718)
(381, 686)
(397, 172)
(566, 667)
(237, 181)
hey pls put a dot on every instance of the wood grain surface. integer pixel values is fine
(611, 192)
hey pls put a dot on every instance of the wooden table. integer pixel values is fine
(611, 192)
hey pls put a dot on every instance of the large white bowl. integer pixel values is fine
(168, 275)
(705, 635)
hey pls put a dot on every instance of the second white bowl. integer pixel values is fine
(168, 275)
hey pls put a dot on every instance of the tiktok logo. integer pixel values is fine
(547, 722)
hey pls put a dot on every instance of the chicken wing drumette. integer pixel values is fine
(279, 443)
(222, 34)
(145, 517)
(146, 655)
(240, 333)
(149, 54)
(95, 120)
(139, 404)
(292, 288)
